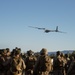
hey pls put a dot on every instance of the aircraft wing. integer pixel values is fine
(37, 27)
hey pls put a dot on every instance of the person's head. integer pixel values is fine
(72, 57)
(30, 52)
(4, 52)
(58, 53)
(16, 48)
(43, 51)
(8, 52)
(67, 55)
(62, 55)
(17, 53)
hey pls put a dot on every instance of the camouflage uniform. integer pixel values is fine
(67, 64)
(42, 66)
(17, 64)
(1, 62)
(71, 70)
(5, 62)
(30, 63)
(58, 65)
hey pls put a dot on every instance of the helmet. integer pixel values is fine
(8, 50)
(58, 53)
(17, 52)
(4, 52)
(43, 51)
(30, 52)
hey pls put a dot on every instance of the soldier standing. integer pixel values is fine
(43, 65)
(17, 64)
(71, 70)
(5, 62)
(30, 62)
(58, 64)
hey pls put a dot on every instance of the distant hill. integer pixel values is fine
(64, 51)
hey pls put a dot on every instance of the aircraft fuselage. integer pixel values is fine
(47, 31)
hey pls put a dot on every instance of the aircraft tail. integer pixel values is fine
(56, 28)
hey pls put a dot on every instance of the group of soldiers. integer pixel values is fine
(15, 63)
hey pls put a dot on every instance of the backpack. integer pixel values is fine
(30, 62)
(16, 65)
(57, 64)
(73, 67)
(45, 63)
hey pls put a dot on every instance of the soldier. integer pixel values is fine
(64, 63)
(67, 64)
(17, 64)
(71, 70)
(58, 64)
(43, 65)
(30, 62)
(8, 60)
(5, 62)
(1, 66)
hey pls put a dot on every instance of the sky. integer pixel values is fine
(17, 15)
